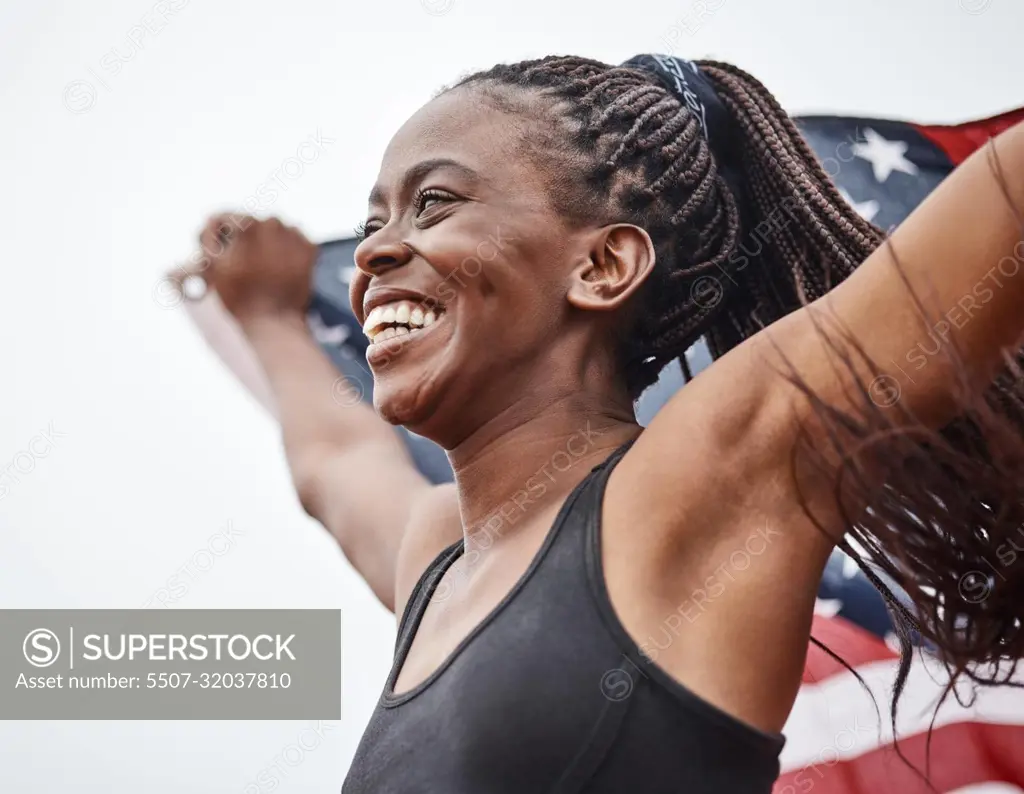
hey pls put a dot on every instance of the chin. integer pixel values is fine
(411, 377)
(409, 399)
(398, 406)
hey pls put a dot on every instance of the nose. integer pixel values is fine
(377, 254)
(381, 252)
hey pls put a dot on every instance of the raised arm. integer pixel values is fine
(960, 260)
(713, 474)
(350, 469)
(961, 254)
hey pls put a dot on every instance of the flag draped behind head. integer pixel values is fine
(836, 743)
(883, 169)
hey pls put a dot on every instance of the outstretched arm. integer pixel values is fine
(350, 469)
(960, 258)
(724, 515)
(961, 253)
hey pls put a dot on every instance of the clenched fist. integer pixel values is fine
(257, 267)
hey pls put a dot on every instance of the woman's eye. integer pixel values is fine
(365, 229)
(429, 198)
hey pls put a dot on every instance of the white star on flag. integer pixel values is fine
(885, 156)
(866, 209)
(827, 607)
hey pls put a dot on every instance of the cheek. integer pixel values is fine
(523, 320)
(356, 289)
(503, 275)
(468, 279)
(464, 262)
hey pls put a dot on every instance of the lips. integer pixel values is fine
(389, 340)
(381, 296)
(387, 320)
(395, 318)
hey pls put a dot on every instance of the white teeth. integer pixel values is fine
(372, 320)
(396, 319)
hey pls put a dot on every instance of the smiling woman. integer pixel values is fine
(542, 239)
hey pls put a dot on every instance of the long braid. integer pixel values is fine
(938, 505)
(646, 151)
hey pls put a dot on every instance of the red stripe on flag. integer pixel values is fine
(849, 642)
(962, 754)
(961, 140)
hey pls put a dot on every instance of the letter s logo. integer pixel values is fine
(41, 647)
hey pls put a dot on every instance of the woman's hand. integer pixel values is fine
(258, 268)
(262, 272)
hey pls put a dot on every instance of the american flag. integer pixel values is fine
(836, 741)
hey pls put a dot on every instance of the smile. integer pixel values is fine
(399, 318)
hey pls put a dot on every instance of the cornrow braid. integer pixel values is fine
(927, 509)
(643, 148)
(638, 156)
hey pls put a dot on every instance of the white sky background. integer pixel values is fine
(161, 449)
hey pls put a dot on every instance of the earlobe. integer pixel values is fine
(618, 260)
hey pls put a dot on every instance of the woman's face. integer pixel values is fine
(461, 229)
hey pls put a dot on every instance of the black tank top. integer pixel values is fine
(549, 694)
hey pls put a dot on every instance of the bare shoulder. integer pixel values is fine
(434, 524)
(710, 562)
(718, 455)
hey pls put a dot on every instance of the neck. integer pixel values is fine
(524, 460)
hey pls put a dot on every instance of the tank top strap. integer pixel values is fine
(424, 589)
(584, 494)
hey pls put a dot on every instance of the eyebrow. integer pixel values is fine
(421, 169)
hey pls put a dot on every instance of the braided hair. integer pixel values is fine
(926, 508)
(639, 156)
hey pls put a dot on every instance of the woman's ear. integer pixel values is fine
(617, 261)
